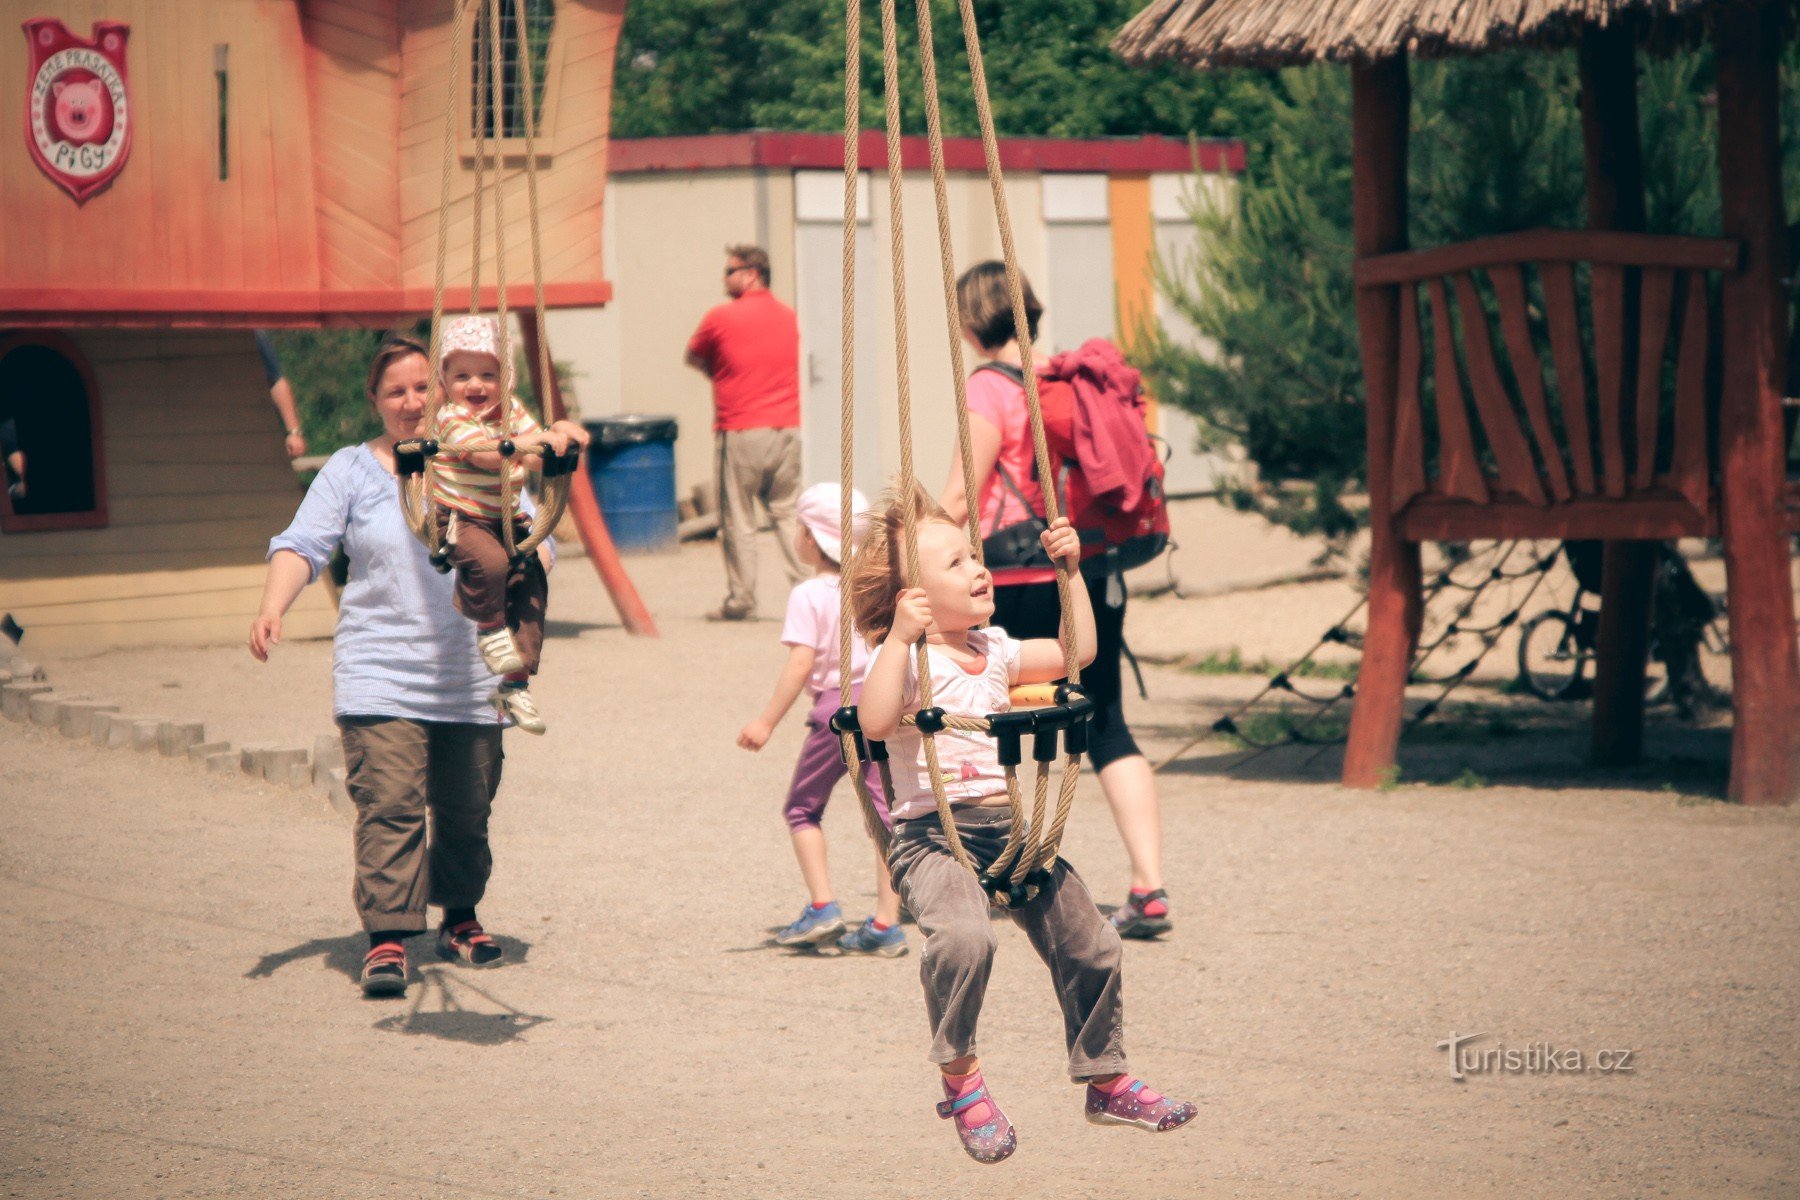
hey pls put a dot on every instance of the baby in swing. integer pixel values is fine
(972, 671)
(503, 596)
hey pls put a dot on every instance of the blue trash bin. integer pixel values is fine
(632, 462)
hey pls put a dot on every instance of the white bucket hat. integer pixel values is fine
(819, 509)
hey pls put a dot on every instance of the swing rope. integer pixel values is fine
(878, 830)
(890, 74)
(1030, 847)
(417, 457)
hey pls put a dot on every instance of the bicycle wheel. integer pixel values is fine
(1551, 662)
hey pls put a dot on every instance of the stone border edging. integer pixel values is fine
(27, 696)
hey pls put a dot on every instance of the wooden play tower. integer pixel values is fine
(1665, 423)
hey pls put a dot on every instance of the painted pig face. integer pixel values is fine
(79, 108)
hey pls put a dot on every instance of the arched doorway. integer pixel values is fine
(50, 432)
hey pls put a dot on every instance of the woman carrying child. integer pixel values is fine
(409, 690)
(811, 634)
(972, 671)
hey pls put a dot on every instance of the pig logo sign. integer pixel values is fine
(77, 117)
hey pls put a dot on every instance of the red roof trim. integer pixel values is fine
(253, 309)
(1113, 156)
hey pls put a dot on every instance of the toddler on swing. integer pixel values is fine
(504, 596)
(972, 672)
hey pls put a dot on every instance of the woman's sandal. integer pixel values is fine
(987, 1136)
(384, 970)
(1137, 1106)
(469, 943)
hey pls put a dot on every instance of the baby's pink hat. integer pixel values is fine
(472, 335)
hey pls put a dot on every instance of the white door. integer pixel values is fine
(819, 291)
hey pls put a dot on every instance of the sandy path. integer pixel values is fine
(183, 1021)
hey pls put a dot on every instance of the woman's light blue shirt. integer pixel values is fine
(402, 648)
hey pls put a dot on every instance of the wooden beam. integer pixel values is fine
(1382, 101)
(1602, 248)
(1765, 690)
(1615, 201)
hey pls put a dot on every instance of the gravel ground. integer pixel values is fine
(184, 1021)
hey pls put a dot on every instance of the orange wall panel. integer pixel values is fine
(168, 221)
(335, 136)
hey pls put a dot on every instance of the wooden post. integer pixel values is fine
(584, 506)
(1381, 104)
(1765, 687)
(1615, 200)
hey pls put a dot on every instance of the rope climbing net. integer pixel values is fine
(1517, 568)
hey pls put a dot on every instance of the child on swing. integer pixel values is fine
(810, 633)
(505, 598)
(972, 671)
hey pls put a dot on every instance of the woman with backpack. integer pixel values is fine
(1009, 498)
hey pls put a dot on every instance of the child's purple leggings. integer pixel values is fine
(820, 767)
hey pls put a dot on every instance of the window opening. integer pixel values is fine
(506, 119)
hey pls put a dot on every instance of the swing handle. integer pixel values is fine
(557, 465)
(410, 455)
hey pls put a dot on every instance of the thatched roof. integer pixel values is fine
(1273, 33)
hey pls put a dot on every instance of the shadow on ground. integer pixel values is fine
(345, 954)
(446, 1003)
(1486, 740)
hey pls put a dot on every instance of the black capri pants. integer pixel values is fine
(1032, 611)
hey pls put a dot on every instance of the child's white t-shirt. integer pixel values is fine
(813, 611)
(969, 762)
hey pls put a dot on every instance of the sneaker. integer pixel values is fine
(516, 702)
(1139, 1107)
(814, 927)
(726, 612)
(469, 943)
(384, 970)
(986, 1134)
(866, 939)
(1143, 915)
(499, 651)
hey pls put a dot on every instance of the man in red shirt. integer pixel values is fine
(750, 348)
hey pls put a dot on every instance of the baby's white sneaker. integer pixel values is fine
(499, 651)
(515, 701)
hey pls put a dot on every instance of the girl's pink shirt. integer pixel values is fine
(997, 399)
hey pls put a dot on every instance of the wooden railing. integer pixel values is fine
(1548, 455)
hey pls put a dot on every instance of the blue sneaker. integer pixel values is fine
(814, 927)
(866, 939)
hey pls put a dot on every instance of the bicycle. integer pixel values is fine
(1556, 646)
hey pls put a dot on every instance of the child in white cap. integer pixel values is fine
(811, 634)
(504, 597)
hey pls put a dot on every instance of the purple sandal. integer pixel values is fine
(988, 1137)
(1137, 1106)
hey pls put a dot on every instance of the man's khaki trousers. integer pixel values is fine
(755, 465)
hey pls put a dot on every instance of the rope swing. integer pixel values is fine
(1031, 846)
(415, 458)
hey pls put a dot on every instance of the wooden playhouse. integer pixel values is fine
(183, 174)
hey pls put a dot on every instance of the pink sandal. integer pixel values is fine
(985, 1132)
(1137, 1106)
